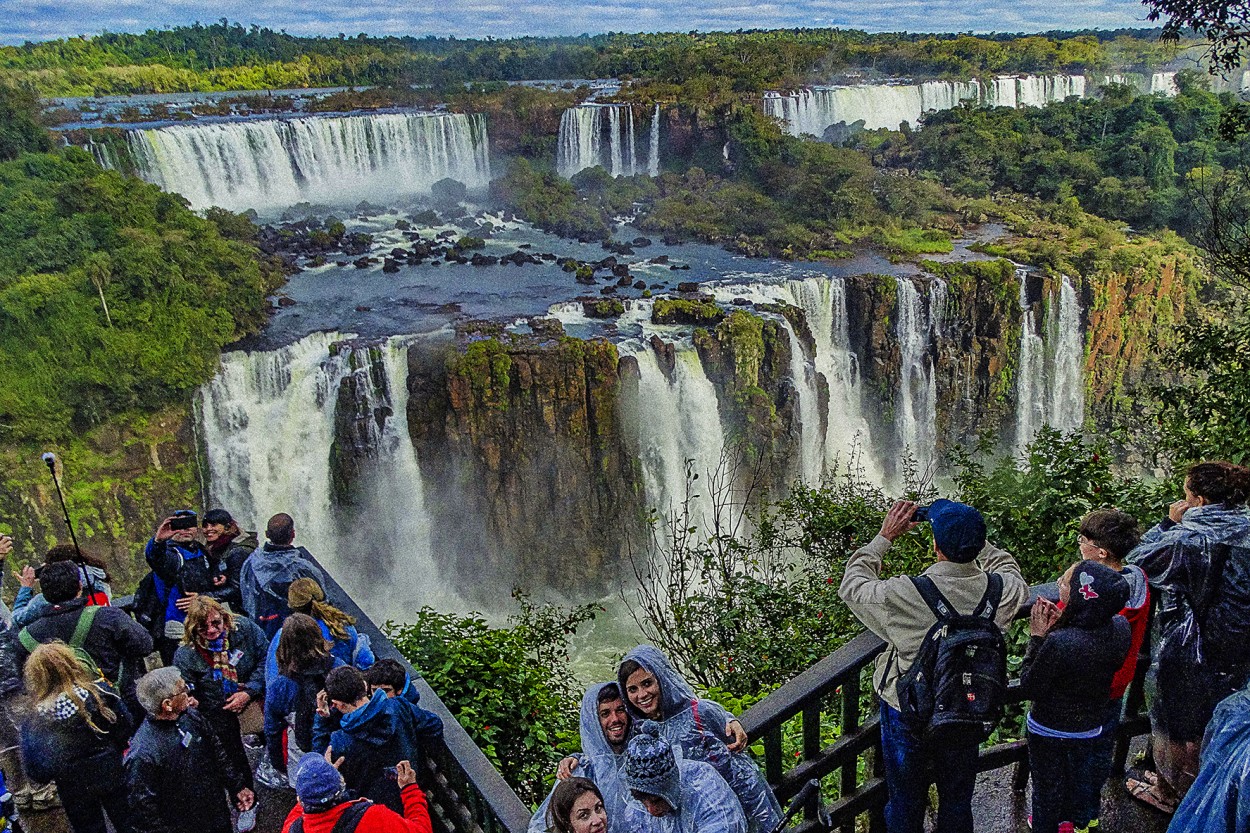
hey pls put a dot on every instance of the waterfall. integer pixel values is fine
(1066, 359)
(582, 145)
(653, 151)
(268, 425)
(812, 110)
(678, 420)
(916, 417)
(846, 439)
(1050, 383)
(268, 164)
(1163, 82)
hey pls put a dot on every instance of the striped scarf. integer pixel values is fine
(216, 653)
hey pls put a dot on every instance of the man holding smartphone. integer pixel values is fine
(181, 570)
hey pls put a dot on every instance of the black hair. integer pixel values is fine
(387, 672)
(60, 582)
(1220, 482)
(1112, 530)
(218, 516)
(280, 529)
(609, 692)
(346, 684)
(563, 797)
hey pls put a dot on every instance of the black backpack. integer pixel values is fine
(956, 688)
(347, 822)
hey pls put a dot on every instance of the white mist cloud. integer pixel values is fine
(23, 20)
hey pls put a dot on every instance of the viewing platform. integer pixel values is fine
(468, 795)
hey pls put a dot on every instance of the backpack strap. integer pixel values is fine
(942, 609)
(351, 817)
(85, 620)
(28, 641)
(993, 595)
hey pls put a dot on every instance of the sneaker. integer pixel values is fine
(1092, 827)
(254, 741)
(1066, 827)
(44, 798)
(22, 797)
(267, 775)
(247, 820)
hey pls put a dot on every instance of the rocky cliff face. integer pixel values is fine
(528, 474)
(119, 481)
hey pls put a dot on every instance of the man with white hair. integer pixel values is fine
(177, 772)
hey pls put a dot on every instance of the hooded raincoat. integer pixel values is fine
(372, 738)
(697, 728)
(1177, 558)
(1219, 801)
(598, 762)
(706, 805)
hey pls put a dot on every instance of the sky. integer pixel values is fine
(35, 20)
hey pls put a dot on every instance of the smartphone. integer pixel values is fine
(188, 521)
(391, 772)
(920, 515)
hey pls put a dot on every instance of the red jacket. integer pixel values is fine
(377, 819)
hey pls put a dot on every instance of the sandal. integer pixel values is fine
(1148, 793)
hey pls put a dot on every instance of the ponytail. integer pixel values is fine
(1220, 482)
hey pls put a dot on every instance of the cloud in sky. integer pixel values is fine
(23, 20)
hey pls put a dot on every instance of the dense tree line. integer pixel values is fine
(225, 56)
(114, 296)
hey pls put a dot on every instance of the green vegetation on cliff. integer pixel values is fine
(114, 296)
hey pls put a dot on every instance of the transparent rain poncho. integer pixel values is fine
(1219, 800)
(697, 728)
(706, 806)
(598, 762)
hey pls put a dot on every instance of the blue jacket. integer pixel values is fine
(285, 695)
(1219, 800)
(265, 578)
(355, 650)
(376, 736)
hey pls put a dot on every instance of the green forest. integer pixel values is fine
(226, 56)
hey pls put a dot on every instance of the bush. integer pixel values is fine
(509, 687)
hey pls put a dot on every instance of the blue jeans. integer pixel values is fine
(911, 764)
(1065, 781)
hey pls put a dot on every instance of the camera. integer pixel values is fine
(921, 515)
(184, 519)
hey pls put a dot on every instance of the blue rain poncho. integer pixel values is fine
(598, 762)
(707, 805)
(697, 728)
(1219, 800)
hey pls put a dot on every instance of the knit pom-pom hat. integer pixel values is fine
(650, 766)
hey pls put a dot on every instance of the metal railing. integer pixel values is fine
(834, 697)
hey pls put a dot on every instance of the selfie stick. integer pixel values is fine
(50, 459)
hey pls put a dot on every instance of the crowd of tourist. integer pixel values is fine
(142, 720)
(139, 720)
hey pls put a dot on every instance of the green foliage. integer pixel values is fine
(20, 131)
(509, 687)
(1208, 415)
(113, 294)
(686, 311)
(549, 202)
(915, 241)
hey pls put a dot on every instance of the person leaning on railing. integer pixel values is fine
(894, 610)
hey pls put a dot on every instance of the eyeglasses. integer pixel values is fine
(216, 623)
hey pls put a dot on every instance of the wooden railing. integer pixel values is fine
(466, 793)
(835, 697)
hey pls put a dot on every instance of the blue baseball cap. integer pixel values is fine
(958, 530)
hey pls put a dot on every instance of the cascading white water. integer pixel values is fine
(274, 163)
(1066, 359)
(1050, 384)
(916, 406)
(812, 110)
(653, 150)
(581, 143)
(1163, 82)
(677, 420)
(268, 422)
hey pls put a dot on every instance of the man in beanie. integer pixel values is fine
(675, 796)
(323, 802)
(894, 610)
(229, 547)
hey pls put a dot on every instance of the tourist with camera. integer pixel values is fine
(230, 547)
(92, 571)
(325, 805)
(181, 570)
(969, 576)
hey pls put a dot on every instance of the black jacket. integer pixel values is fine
(180, 778)
(115, 641)
(1068, 673)
(58, 743)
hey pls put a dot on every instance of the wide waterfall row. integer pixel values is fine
(274, 163)
(268, 427)
(1050, 386)
(813, 110)
(603, 135)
